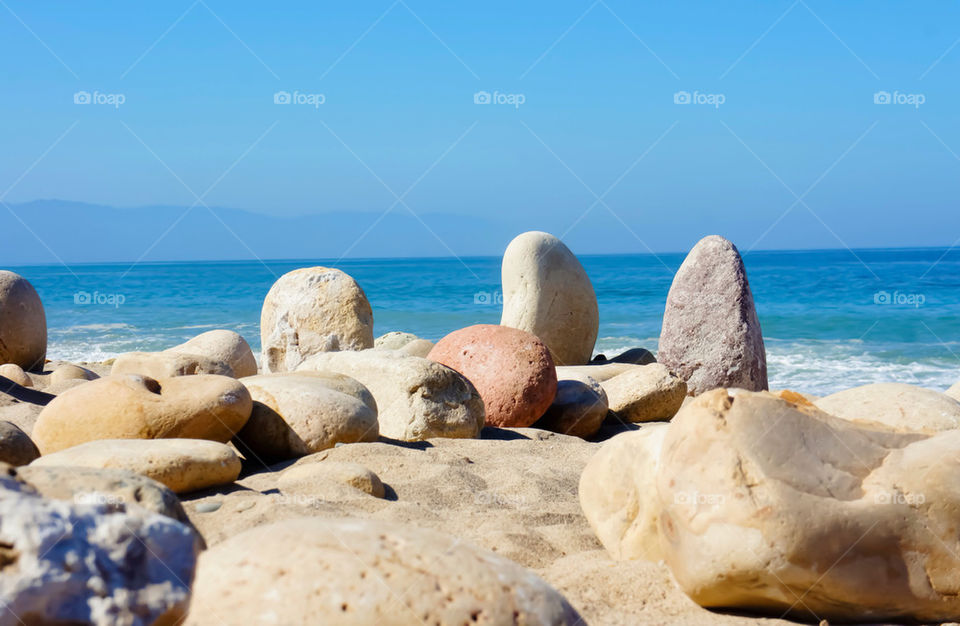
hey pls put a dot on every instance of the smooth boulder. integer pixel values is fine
(15, 373)
(310, 311)
(225, 346)
(137, 407)
(168, 365)
(301, 413)
(23, 323)
(183, 465)
(578, 409)
(711, 334)
(547, 292)
(903, 407)
(954, 392)
(327, 478)
(512, 369)
(646, 393)
(416, 398)
(355, 571)
(16, 447)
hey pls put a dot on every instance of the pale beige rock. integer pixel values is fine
(954, 392)
(618, 494)
(168, 365)
(548, 293)
(15, 373)
(137, 407)
(416, 398)
(69, 372)
(599, 373)
(354, 571)
(310, 311)
(854, 518)
(313, 477)
(645, 393)
(903, 407)
(305, 412)
(183, 465)
(418, 347)
(394, 340)
(23, 323)
(225, 346)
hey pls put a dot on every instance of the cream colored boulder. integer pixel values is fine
(618, 494)
(183, 465)
(355, 571)
(15, 373)
(327, 478)
(23, 323)
(301, 413)
(168, 365)
(310, 311)
(225, 346)
(416, 398)
(599, 373)
(777, 507)
(954, 392)
(903, 407)
(645, 393)
(66, 373)
(137, 407)
(547, 292)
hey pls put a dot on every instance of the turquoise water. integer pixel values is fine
(831, 319)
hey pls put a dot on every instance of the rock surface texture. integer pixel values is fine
(23, 323)
(645, 393)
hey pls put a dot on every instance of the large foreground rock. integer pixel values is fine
(62, 563)
(796, 510)
(23, 323)
(355, 571)
(310, 311)
(711, 335)
(547, 292)
(512, 369)
(225, 346)
(645, 393)
(416, 398)
(168, 365)
(183, 465)
(903, 407)
(137, 407)
(305, 412)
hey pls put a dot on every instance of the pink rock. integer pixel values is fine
(512, 369)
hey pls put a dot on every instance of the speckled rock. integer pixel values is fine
(23, 323)
(355, 571)
(644, 394)
(578, 409)
(548, 293)
(137, 407)
(711, 334)
(225, 346)
(310, 311)
(16, 447)
(903, 407)
(512, 369)
(168, 365)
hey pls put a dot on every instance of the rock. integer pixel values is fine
(902, 407)
(547, 292)
(137, 407)
(308, 477)
(366, 572)
(618, 494)
(802, 512)
(711, 335)
(183, 465)
(109, 487)
(68, 372)
(302, 413)
(23, 323)
(15, 373)
(646, 393)
(954, 392)
(224, 346)
(598, 372)
(418, 347)
(394, 340)
(635, 356)
(90, 564)
(578, 409)
(795, 397)
(416, 398)
(168, 365)
(512, 369)
(310, 311)
(16, 447)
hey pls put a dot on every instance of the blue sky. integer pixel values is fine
(781, 146)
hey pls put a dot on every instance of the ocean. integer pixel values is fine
(831, 319)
